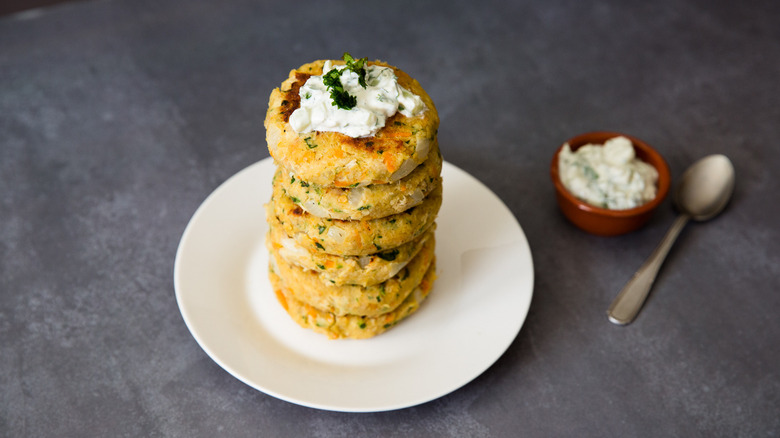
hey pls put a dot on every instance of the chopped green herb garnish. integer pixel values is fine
(362, 325)
(321, 228)
(295, 200)
(590, 173)
(332, 79)
(341, 98)
(320, 266)
(319, 246)
(358, 66)
(364, 207)
(304, 183)
(309, 143)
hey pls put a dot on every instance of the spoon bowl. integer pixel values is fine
(705, 188)
(702, 193)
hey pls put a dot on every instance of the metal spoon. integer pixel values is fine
(703, 191)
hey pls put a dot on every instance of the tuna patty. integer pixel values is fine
(369, 202)
(363, 237)
(339, 270)
(335, 159)
(374, 300)
(350, 326)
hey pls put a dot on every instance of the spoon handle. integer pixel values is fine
(629, 301)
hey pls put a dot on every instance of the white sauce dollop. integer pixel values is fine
(381, 98)
(608, 176)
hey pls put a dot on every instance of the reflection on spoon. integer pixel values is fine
(703, 191)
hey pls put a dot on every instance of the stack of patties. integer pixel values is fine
(355, 196)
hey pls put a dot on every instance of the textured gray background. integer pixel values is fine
(117, 118)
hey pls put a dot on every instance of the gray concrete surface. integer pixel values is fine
(117, 118)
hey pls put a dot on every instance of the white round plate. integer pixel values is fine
(474, 312)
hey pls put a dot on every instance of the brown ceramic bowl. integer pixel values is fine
(602, 221)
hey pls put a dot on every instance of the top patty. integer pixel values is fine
(335, 159)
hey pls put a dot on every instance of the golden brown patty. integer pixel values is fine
(335, 159)
(361, 237)
(369, 202)
(350, 326)
(374, 300)
(339, 270)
